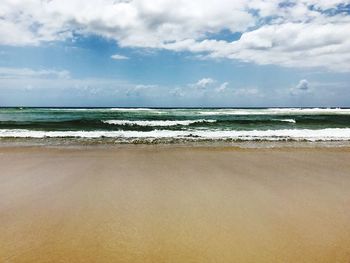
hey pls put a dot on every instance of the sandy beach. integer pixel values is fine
(174, 204)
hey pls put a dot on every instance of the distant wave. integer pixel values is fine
(102, 109)
(277, 111)
(330, 134)
(150, 110)
(286, 120)
(156, 122)
(197, 111)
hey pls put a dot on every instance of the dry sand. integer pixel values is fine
(173, 204)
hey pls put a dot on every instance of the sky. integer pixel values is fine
(175, 53)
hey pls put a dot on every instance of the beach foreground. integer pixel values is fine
(174, 204)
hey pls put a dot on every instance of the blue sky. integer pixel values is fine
(246, 54)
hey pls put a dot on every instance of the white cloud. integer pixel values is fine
(223, 87)
(33, 87)
(119, 57)
(140, 89)
(247, 91)
(203, 87)
(177, 92)
(19, 73)
(301, 33)
(303, 85)
(203, 83)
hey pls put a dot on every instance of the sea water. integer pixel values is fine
(171, 125)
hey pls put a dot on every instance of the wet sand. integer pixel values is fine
(174, 204)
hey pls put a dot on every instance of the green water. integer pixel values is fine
(192, 124)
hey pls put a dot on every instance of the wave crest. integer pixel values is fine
(330, 134)
(278, 111)
(155, 123)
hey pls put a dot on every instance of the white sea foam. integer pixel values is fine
(102, 109)
(156, 122)
(286, 120)
(330, 134)
(277, 111)
(132, 109)
(208, 112)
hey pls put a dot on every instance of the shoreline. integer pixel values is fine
(105, 143)
(149, 203)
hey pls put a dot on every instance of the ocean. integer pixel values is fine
(175, 125)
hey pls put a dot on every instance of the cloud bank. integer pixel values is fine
(32, 87)
(300, 33)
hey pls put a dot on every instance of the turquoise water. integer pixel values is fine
(130, 124)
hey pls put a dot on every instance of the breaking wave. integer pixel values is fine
(156, 123)
(286, 120)
(329, 134)
(278, 111)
